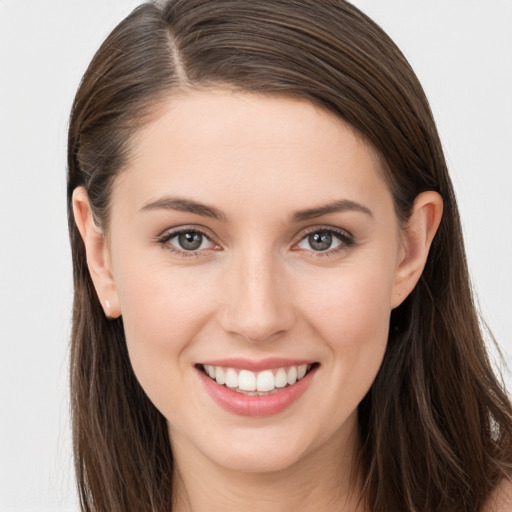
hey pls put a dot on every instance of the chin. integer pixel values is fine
(253, 458)
(272, 448)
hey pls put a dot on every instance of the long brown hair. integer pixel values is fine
(436, 425)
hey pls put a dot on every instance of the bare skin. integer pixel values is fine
(303, 486)
(501, 498)
(268, 179)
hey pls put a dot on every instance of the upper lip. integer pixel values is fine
(256, 365)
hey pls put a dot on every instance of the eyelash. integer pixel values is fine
(167, 237)
(345, 238)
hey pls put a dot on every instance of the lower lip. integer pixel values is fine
(256, 406)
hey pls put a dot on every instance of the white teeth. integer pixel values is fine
(247, 380)
(251, 383)
(231, 378)
(220, 376)
(281, 379)
(265, 381)
(292, 375)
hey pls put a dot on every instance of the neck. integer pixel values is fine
(323, 480)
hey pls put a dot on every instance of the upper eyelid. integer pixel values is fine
(331, 229)
(167, 235)
(172, 232)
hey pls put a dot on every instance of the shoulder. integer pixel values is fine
(500, 499)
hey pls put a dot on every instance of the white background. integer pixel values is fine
(462, 53)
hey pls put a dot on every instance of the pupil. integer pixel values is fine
(320, 241)
(190, 241)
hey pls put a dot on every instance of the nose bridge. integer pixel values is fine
(257, 305)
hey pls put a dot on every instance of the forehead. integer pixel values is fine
(242, 148)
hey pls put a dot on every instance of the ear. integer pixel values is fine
(97, 253)
(417, 238)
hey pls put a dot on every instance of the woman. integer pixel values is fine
(272, 303)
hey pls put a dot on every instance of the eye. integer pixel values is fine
(190, 240)
(325, 240)
(187, 241)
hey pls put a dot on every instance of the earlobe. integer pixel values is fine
(97, 253)
(417, 239)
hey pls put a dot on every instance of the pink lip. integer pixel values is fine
(256, 366)
(255, 406)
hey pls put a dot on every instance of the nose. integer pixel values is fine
(257, 305)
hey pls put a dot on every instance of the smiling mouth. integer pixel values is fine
(261, 383)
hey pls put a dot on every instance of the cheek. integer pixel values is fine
(163, 310)
(350, 300)
(350, 312)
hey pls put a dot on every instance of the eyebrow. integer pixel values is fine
(343, 205)
(190, 206)
(184, 205)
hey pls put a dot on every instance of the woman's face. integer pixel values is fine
(254, 235)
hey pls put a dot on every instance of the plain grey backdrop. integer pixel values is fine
(462, 53)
